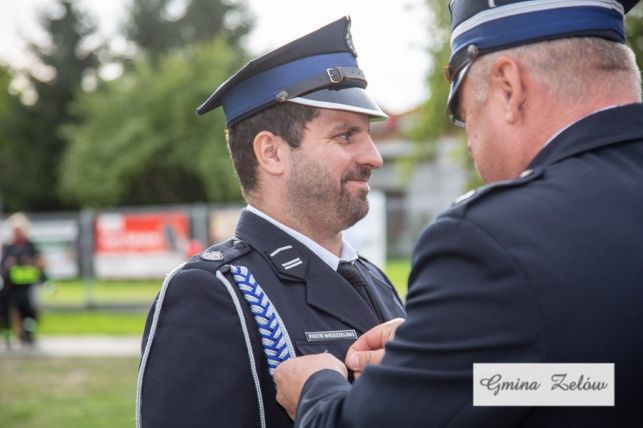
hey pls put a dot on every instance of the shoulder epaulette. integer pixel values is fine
(472, 196)
(218, 255)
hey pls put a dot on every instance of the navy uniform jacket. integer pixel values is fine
(197, 371)
(547, 268)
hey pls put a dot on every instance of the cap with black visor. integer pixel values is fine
(317, 70)
(480, 27)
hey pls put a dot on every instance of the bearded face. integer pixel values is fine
(319, 192)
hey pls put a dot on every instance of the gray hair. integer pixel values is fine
(572, 68)
(19, 221)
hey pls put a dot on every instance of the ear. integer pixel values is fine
(509, 83)
(271, 152)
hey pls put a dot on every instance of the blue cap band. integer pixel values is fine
(546, 20)
(482, 27)
(262, 89)
(317, 70)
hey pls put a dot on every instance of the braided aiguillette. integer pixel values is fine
(274, 337)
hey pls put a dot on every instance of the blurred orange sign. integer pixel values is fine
(139, 245)
(141, 233)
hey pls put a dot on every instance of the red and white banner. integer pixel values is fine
(139, 245)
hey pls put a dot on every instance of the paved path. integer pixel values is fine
(77, 346)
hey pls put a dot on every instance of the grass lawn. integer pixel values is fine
(69, 393)
(76, 292)
(89, 392)
(92, 322)
(398, 272)
(67, 322)
(81, 321)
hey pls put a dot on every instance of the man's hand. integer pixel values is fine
(291, 375)
(369, 348)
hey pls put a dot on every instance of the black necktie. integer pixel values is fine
(355, 278)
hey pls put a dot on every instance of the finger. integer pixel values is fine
(370, 340)
(369, 348)
(377, 337)
(358, 361)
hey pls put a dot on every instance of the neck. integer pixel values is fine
(311, 226)
(568, 113)
(562, 114)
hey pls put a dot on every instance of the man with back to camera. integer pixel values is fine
(542, 265)
(287, 284)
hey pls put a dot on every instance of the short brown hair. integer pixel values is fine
(287, 120)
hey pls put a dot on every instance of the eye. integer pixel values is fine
(461, 114)
(344, 137)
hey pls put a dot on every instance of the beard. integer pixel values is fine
(315, 198)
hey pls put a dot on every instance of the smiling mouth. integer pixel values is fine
(360, 186)
(360, 183)
(362, 175)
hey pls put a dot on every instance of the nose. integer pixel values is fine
(369, 155)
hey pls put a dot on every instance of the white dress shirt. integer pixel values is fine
(348, 253)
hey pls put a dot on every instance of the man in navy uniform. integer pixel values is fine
(542, 265)
(287, 284)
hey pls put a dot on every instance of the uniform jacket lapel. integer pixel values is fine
(326, 290)
(331, 293)
(383, 290)
(603, 128)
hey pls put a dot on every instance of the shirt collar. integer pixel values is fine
(348, 253)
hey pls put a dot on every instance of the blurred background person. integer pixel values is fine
(22, 270)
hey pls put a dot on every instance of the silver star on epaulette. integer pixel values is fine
(213, 256)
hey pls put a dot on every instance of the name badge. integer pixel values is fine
(321, 336)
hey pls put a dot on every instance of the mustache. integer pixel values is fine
(361, 173)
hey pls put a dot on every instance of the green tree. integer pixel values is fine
(204, 19)
(140, 140)
(15, 155)
(9, 112)
(6, 110)
(634, 31)
(156, 26)
(434, 123)
(151, 27)
(31, 155)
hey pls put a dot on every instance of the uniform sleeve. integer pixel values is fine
(468, 301)
(197, 372)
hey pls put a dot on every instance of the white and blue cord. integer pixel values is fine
(274, 337)
(275, 340)
(251, 356)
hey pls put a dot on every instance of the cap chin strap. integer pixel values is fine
(336, 76)
(455, 73)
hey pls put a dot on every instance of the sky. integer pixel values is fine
(390, 36)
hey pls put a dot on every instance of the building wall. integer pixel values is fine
(416, 197)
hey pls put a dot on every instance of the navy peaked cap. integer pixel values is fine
(319, 70)
(479, 27)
